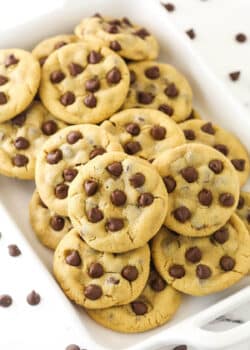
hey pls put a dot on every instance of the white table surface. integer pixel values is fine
(215, 22)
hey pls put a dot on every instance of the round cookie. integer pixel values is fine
(203, 188)
(222, 140)
(19, 81)
(49, 227)
(155, 306)
(44, 48)
(84, 85)
(159, 86)
(99, 280)
(243, 208)
(128, 40)
(203, 265)
(22, 137)
(117, 202)
(59, 158)
(145, 133)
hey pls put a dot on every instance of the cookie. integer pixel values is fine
(222, 140)
(193, 115)
(59, 158)
(49, 227)
(99, 280)
(84, 85)
(19, 81)
(203, 265)
(243, 208)
(159, 86)
(43, 49)
(203, 188)
(145, 133)
(155, 306)
(128, 40)
(117, 202)
(21, 139)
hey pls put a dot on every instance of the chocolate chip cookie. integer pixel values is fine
(60, 157)
(155, 306)
(222, 140)
(22, 137)
(49, 227)
(159, 86)
(145, 133)
(84, 85)
(203, 188)
(19, 81)
(120, 35)
(204, 265)
(117, 202)
(243, 208)
(99, 280)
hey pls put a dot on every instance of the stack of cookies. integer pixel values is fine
(138, 196)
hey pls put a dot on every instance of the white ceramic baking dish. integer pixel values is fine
(214, 102)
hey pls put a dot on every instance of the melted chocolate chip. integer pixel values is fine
(189, 134)
(193, 255)
(118, 198)
(93, 292)
(74, 136)
(205, 197)
(139, 308)
(54, 157)
(137, 180)
(170, 183)
(75, 69)
(3, 98)
(33, 298)
(239, 164)
(68, 98)
(132, 147)
(113, 76)
(142, 33)
(69, 174)
(92, 85)
(95, 270)
(133, 129)
(132, 77)
(203, 271)
(19, 120)
(166, 109)
(115, 169)
(114, 224)
(226, 199)
(241, 203)
(176, 271)
(208, 128)
(145, 97)
(21, 143)
(94, 215)
(57, 222)
(14, 250)
(5, 300)
(227, 263)
(158, 132)
(182, 214)
(190, 174)
(171, 91)
(94, 57)
(152, 72)
(115, 45)
(216, 166)
(90, 101)
(130, 273)
(56, 77)
(20, 160)
(222, 148)
(49, 127)
(221, 235)
(98, 151)
(73, 258)
(3, 80)
(61, 191)
(156, 282)
(90, 187)
(11, 60)
(145, 199)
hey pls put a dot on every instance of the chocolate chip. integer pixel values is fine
(90, 101)
(115, 22)
(54, 157)
(137, 180)
(72, 347)
(241, 203)
(11, 60)
(145, 97)
(139, 308)
(113, 280)
(90, 187)
(205, 197)
(158, 132)
(94, 57)
(113, 76)
(21, 143)
(5, 300)
(222, 148)
(234, 76)
(156, 282)
(92, 85)
(227, 263)
(171, 91)
(20, 160)
(115, 169)
(112, 29)
(152, 72)
(142, 33)
(74, 136)
(133, 129)
(190, 174)
(177, 271)
(182, 214)
(166, 109)
(226, 199)
(191, 33)
(42, 60)
(181, 347)
(98, 151)
(241, 37)
(95, 270)
(57, 76)
(169, 7)
(127, 21)
(145, 199)
(193, 255)
(93, 292)
(118, 198)
(216, 166)
(132, 77)
(203, 271)
(3, 98)
(114, 224)
(14, 250)
(68, 98)
(208, 128)
(132, 147)
(49, 127)
(59, 44)
(69, 174)
(57, 222)
(95, 215)
(170, 183)
(61, 191)
(115, 45)
(73, 258)
(130, 273)
(3, 80)
(75, 69)
(221, 235)
(33, 298)
(98, 16)
(189, 134)
(19, 120)
(239, 164)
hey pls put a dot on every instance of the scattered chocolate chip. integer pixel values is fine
(95, 270)
(170, 183)
(193, 255)
(208, 128)
(177, 271)
(115, 45)
(189, 134)
(57, 76)
(133, 129)
(93, 292)
(205, 197)
(152, 72)
(5, 300)
(98, 151)
(169, 7)
(156, 282)
(115, 169)
(75, 69)
(115, 22)
(181, 347)
(239, 164)
(3, 80)
(127, 21)
(227, 263)
(91, 187)
(139, 308)
(182, 214)
(240, 37)
(221, 235)
(113, 76)
(57, 222)
(42, 60)
(73, 258)
(216, 166)
(21, 143)
(33, 298)
(132, 147)
(137, 180)
(74, 136)
(114, 224)
(11, 60)
(203, 271)
(112, 29)
(241, 203)
(68, 98)
(234, 76)
(72, 347)
(14, 250)
(190, 174)
(61, 191)
(142, 33)
(94, 57)
(49, 127)
(59, 44)
(222, 148)
(191, 33)
(118, 198)
(92, 85)
(166, 109)
(145, 97)
(226, 199)
(90, 101)
(171, 90)
(54, 157)
(158, 132)
(130, 273)
(95, 215)
(3, 98)
(19, 120)
(132, 77)
(145, 199)
(20, 160)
